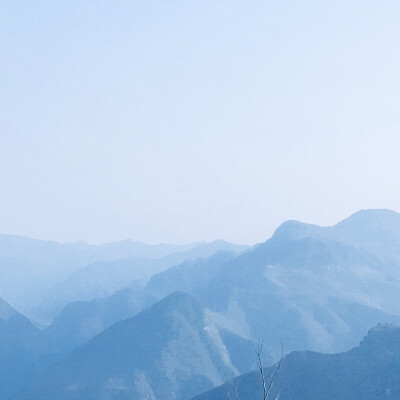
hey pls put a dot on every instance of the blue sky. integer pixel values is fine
(176, 121)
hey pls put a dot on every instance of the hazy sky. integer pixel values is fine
(177, 121)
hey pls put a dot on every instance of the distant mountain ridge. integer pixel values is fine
(102, 279)
(377, 231)
(80, 321)
(31, 269)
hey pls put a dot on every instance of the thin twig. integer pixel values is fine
(268, 388)
(261, 369)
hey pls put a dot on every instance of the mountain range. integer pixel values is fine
(40, 277)
(171, 350)
(196, 321)
(80, 321)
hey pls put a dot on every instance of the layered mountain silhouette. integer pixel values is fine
(40, 277)
(173, 350)
(367, 372)
(302, 287)
(308, 287)
(80, 321)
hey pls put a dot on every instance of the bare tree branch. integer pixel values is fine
(261, 369)
(273, 379)
(234, 390)
(267, 388)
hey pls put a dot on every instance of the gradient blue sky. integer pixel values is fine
(176, 121)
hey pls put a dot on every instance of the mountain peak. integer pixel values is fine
(294, 230)
(168, 351)
(382, 337)
(178, 302)
(373, 217)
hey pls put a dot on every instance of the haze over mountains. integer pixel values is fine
(171, 326)
(80, 321)
(41, 277)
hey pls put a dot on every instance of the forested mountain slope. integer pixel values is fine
(173, 350)
(368, 372)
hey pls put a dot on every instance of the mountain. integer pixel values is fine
(172, 350)
(310, 287)
(375, 231)
(80, 321)
(367, 372)
(15, 329)
(307, 289)
(103, 279)
(302, 287)
(187, 276)
(17, 335)
(30, 269)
